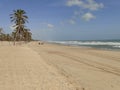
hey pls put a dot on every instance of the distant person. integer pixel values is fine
(40, 43)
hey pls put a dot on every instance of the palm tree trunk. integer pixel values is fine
(14, 41)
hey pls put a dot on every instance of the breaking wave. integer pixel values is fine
(110, 44)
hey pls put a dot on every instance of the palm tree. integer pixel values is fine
(19, 18)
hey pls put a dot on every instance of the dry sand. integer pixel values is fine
(57, 67)
(86, 68)
(21, 68)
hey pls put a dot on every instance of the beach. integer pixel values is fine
(21, 68)
(57, 67)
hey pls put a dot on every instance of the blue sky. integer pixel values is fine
(66, 19)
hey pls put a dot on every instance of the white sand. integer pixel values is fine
(21, 68)
(57, 67)
(88, 68)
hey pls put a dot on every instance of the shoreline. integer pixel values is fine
(97, 44)
(85, 47)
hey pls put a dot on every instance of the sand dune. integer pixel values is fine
(88, 68)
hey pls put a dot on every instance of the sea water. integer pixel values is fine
(101, 44)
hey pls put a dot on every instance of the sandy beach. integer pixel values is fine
(21, 68)
(56, 67)
(60, 45)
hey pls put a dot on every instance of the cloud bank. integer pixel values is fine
(87, 7)
(85, 4)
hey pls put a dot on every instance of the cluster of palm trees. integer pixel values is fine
(20, 33)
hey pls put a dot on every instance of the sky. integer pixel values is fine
(66, 19)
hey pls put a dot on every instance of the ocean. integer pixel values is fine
(100, 44)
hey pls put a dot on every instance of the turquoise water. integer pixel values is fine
(101, 44)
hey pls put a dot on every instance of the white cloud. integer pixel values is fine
(88, 16)
(50, 25)
(74, 3)
(72, 21)
(92, 5)
(85, 4)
